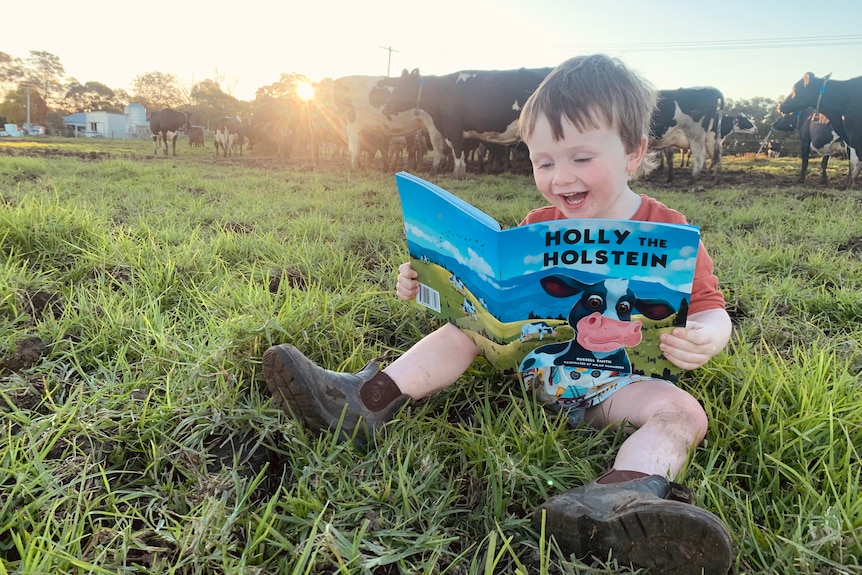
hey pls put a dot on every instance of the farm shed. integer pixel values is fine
(97, 124)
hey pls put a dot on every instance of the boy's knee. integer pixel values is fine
(686, 411)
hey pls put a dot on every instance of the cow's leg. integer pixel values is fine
(698, 157)
(668, 153)
(823, 163)
(354, 147)
(804, 170)
(439, 145)
(855, 166)
(458, 155)
(174, 142)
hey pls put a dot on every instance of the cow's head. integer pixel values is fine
(742, 124)
(786, 123)
(804, 94)
(602, 314)
(406, 93)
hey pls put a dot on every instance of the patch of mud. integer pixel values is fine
(27, 353)
(294, 279)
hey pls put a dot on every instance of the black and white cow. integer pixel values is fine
(816, 135)
(682, 119)
(229, 135)
(601, 317)
(167, 123)
(839, 100)
(480, 104)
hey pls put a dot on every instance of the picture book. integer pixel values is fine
(557, 301)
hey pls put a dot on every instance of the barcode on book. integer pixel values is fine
(428, 297)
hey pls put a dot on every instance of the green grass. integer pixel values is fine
(137, 295)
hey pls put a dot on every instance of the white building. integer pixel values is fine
(98, 125)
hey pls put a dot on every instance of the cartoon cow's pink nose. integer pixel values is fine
(600, 333)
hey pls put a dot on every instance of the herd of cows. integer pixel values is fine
(458, 113)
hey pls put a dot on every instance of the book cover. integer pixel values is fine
(555, 300)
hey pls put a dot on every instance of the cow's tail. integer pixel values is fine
(719, 116)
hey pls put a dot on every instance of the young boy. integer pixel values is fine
(587, 127)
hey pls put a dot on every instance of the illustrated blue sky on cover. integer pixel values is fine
(504, 267)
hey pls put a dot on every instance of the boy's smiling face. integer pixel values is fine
(584, 174)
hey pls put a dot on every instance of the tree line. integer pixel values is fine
(52, 94)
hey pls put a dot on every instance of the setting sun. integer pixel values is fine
(305, 91)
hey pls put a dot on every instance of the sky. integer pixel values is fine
(745, 49)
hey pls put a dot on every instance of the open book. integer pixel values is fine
(553, 300)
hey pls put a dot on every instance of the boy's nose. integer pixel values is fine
(565, 174)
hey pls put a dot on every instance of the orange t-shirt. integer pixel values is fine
(704, 293)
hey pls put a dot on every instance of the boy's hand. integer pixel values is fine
(407, 286)
(704, 336)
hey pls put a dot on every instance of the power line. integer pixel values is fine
(721, 45)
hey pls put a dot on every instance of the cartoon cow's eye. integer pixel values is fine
(595, 302)
(624, 308)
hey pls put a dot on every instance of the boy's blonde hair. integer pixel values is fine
(592, 92)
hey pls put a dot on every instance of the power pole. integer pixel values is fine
(389, 61)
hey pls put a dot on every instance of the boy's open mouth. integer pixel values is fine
(574, 199)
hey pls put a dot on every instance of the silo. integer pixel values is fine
(136, 121)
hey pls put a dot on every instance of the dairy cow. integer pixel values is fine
(196, 137)
(816, 135)
(165, 124)
(478, 104)
(682, 119)
(839, 100)
(739, 124)
(358, 103)
(229, 135)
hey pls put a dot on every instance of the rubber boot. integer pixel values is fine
(644, 522)
(361, 402)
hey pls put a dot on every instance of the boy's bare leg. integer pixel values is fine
(665, 421)
(635, 511)
(433, 363)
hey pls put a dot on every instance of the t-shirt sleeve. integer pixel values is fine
(704, 292)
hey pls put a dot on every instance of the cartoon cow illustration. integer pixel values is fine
(457, 283)
(536, 328)
(601, 317)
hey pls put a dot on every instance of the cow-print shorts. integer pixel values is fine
(573, 390)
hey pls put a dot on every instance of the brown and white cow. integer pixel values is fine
(196, 137)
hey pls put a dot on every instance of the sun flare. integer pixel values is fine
(305, 91)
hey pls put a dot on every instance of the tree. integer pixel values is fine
(15, 106)
(43, 69)
(762, 111)
(210, 104)
(284, 89)
(91, 97)
(157, 90)
(11, 73)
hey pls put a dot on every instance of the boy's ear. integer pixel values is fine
(636, 156)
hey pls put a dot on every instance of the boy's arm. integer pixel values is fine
(705, 334)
